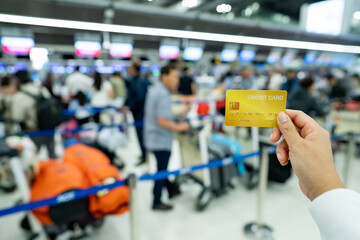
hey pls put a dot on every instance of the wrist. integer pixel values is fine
(334, 183)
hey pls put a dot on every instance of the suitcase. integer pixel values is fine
(220, 177)
(277, 172)
(234, 146)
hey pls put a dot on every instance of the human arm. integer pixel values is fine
(335, 209)
(336, 213)
(172, 126)
(308, 147)
(164, 116)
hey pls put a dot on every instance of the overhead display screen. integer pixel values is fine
(87, 48)
(192, 53)
(228, 55)
(310, 58)
(247, 55)
(17, 45)
(121, 50)
(273, 57)
(168, 52)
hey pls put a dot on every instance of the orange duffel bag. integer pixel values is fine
(54, 178)
(96, 167)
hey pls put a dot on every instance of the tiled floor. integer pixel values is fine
(285, 210)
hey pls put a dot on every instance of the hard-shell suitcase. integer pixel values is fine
(220, 177)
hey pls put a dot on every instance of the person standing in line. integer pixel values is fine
(23, 109)
(275, 80)
(338, 92)
(291, 83)
(302, 99)
(135, 101)
(118, 85)
(7, 90)
(159, 128)
(102, 94)
(187, 85)
(49, 82)
(78, 82)
(247, 80)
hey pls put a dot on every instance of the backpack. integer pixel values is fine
(46, 184)
(96, 167)
(48, 111)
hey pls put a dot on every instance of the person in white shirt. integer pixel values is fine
(102, 94)
(276, 80)
(336, 210)
(23, 109)
(78, 82)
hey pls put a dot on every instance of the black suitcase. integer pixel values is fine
(277, 172)
(220, 177)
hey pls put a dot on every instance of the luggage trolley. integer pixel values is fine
(194, 151)
(11, 157)
(197, 146)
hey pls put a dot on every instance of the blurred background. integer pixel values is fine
(87, 57)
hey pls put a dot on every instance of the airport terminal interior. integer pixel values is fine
(152, 119)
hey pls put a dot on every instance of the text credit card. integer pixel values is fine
(254, 108)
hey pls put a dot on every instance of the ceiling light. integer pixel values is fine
(223, 8)
(286, 19)
(248, 12)
(230, 16)
(190, 3)
(255, 6)
(357, 15)
(160, 32)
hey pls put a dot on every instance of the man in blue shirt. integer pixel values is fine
(292, 82)
(159, 128)
(135, 100)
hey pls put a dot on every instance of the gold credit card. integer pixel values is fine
(254, 108)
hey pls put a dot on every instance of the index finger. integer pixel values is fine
(300, 119)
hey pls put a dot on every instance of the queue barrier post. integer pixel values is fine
(134, 231)
(258, 230)
(349, 157)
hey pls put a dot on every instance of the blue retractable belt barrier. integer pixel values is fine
(95, 110)
(51, 132)
(92, 110)
(186, 170)
(62, 198)
(338, 137)
(73, 195)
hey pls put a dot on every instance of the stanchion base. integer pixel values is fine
(258, 232)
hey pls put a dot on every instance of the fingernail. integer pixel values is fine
(271, 136)
(278, 155)
(282, 117)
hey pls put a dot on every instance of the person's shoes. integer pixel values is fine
(162, 207)
(176, 193)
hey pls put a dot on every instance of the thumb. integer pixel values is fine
(288, 129)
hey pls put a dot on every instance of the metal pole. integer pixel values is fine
(257, 230)
(264, 166)
(349, 156)
(133, 207)
(255, 145)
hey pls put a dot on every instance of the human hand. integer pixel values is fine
(19, 147)
(182, 127)
(124, 109)
(308, 147)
